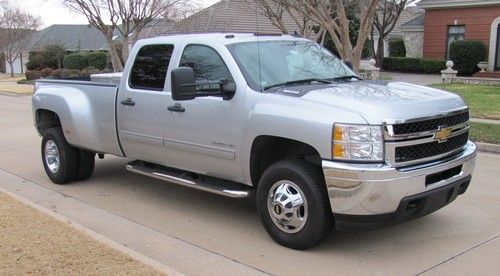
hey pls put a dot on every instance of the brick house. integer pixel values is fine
(448, 20)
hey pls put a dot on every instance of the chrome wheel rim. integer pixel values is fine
(287, 206)
(52, 156)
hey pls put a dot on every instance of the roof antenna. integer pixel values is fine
(258, 50)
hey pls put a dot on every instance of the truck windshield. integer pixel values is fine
(267, 64)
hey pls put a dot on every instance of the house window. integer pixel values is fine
(454, 33)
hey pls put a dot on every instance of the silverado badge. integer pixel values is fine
(442, 134)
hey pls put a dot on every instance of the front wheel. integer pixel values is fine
(293, 204)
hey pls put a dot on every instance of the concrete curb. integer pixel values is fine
(12, 94)
(487, 147)
(108, 242)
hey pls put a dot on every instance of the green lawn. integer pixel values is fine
(483, 100)
(489, 133)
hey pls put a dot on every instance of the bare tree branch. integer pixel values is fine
(16, 27)
(128, 17)
(386, 17)
(331, 17)
(95, 11)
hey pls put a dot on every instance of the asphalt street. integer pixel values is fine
(210, 234)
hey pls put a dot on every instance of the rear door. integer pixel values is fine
(141, 104)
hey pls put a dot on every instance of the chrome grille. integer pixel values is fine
(419, 151)
(414, 141)
(431, 124)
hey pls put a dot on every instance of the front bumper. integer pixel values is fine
(370, 193)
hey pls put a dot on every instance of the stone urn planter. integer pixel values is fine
(482, 65)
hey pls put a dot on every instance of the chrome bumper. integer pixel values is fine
(372, 189)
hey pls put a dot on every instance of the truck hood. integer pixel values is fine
(379, 102)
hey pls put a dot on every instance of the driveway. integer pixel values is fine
(203, 234)
(420, 79)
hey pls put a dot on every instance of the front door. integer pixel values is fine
(141, 105)
(204, 135)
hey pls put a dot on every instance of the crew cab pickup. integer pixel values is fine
(275, 117)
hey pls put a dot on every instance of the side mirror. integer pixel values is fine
(183, 84)
(228, 89)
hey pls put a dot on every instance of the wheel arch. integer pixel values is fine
(45, 119)
(268, 149)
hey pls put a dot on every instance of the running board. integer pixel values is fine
(192, 180)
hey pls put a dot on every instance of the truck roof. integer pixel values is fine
(224, 38)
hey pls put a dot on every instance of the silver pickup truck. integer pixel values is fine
(277, 117)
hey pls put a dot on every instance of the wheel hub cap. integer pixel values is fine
(52, 156)
(287, 206)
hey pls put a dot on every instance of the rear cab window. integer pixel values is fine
(150, 67)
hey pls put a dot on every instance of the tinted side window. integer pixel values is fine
(150, 67)
(206, 63)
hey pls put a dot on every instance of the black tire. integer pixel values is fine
(68, 157)
(308, 178)
(85, 167)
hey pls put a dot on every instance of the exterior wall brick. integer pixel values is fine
(477, 23)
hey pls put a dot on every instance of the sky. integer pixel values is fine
(53, 12)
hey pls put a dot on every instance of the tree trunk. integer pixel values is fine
(125, 48)
(379, 55)
(11, 66)
(115, 59)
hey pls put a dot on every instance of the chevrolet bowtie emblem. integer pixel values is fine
(442, 134)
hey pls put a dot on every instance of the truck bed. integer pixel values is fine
(87, 111)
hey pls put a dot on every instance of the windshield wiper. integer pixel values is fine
(348, 77)
(310, 80)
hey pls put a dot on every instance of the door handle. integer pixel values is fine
(176, 108)
(128, 101)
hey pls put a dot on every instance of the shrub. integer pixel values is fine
(55, 74)
(50, 57)
(466, 54)
(75, 61)
(81, 61)
(97, 60)
(414, 65)
(22, 81)
(46, 72)
(397, 48)
(33, 74)
(40, 60)
(70, 73)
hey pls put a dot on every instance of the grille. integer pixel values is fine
(431, 124)
(415, 152)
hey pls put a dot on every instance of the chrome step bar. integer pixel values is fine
(187, 179)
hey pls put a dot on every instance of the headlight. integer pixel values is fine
(357, 142)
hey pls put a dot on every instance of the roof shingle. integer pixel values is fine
(231, 16)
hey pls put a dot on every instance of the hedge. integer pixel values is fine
(50, 57)
(83, 60)
(75, 61)
(466, 54)
(413, 65)
(62, 73)
(397, 48)
(97, 60)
